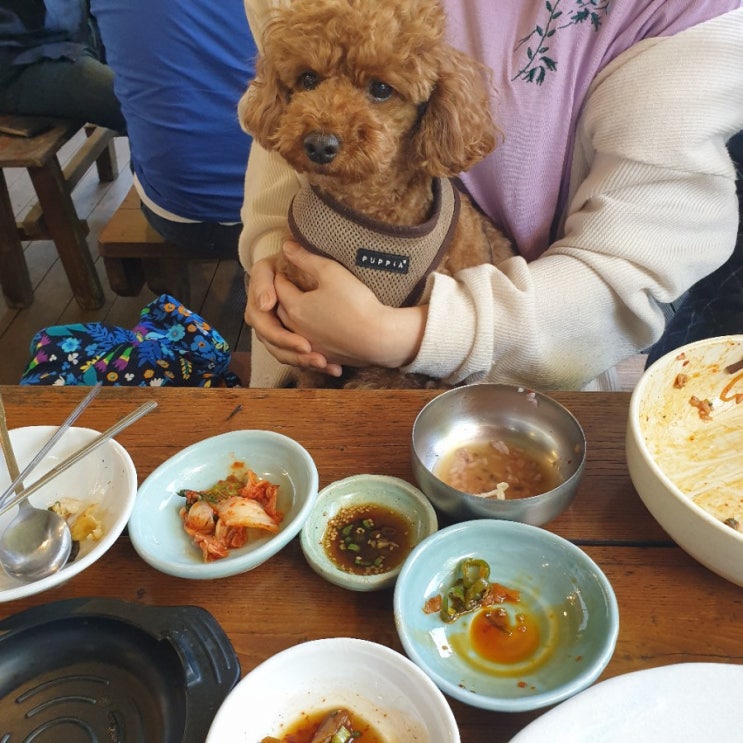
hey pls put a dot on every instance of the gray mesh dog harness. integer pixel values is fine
(392, 260)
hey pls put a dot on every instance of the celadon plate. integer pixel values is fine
(568, 597)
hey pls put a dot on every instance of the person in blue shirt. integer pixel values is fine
(51, 63)
(179, 71)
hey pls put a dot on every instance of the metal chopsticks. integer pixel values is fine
(79, 454)
(56, 436)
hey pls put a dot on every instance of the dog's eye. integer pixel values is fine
(380, 91)
(308, 80)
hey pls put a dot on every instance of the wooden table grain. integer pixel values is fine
(672, 609)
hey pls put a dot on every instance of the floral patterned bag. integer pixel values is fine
(170, 345)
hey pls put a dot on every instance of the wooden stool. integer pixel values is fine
(54, 217)
(134, 252)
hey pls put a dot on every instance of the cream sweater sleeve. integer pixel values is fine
(652, 210)
(269, 181)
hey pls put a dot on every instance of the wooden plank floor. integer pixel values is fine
(217, 286)
(218, 292)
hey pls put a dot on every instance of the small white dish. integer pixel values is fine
(359, 491)
(106, 477)
(156, 528)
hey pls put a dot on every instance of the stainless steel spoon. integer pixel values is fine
(38, 541)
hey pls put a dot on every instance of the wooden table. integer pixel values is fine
(672, 610)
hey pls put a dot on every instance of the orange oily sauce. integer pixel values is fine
(501, 638)
(480, 467)
(506, 636)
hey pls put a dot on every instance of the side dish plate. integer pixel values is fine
(104, 669)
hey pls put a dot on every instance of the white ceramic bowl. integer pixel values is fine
(379, 684)
(156, 529)
(683, 464)
(356, 491)
(569, 604)
(106, 476)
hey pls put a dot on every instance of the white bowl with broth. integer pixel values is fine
(684, 448)
(385, 692)
(498, 451)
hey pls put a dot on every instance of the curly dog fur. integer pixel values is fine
(370, 103)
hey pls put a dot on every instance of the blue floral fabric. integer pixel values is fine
(170, 346)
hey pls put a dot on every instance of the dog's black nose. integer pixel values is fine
(321, 148)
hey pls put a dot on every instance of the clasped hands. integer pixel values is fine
(339, 323)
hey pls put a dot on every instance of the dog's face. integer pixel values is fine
(349, 89)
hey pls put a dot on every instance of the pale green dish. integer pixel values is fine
(392, 492)
(561, 588)
(156, 529)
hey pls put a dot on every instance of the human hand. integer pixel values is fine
(342, 319)
(261, 314)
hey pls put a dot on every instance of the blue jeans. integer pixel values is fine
(714, 305)
(201, 236)
(82, 90)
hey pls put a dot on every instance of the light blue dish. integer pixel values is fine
(560, 586)
(156, 529)
(392, 492)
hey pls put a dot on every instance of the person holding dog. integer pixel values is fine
(612, 180)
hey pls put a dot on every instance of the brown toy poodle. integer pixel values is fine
(367, 100)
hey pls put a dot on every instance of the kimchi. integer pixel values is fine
(228, 514)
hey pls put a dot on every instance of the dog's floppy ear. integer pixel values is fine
(457, 129)
(262, 104)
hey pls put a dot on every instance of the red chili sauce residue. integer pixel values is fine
(728, 393)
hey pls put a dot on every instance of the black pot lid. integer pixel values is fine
(109, 671)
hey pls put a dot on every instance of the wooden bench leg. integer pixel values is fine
(125, 275)
(14, 278)
(106, 163)
(168, 276)
(68, 234)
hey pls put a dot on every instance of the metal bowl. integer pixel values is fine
(489, 412)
